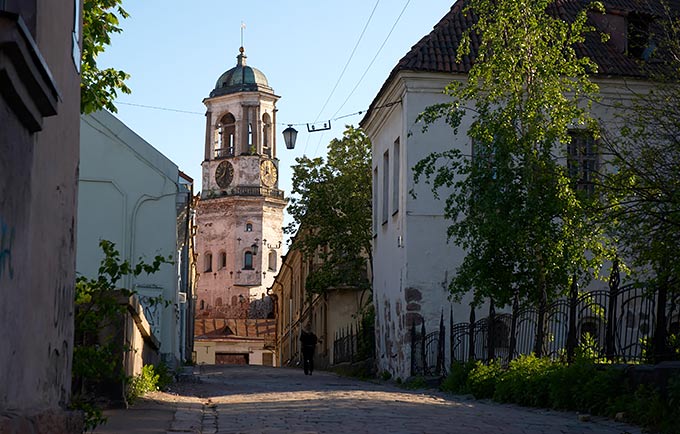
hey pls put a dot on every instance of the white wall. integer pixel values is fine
(413, 262)
(127, 195)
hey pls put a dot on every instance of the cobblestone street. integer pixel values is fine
(253, 399)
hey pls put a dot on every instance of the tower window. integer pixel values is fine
(249, 227)
(223, 260)
(266, 135)
(224, 140)
(208, 262)
(202, 304)
(248, 261)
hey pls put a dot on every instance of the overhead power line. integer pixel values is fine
(344, 69)
(374, 58)
(389, 104)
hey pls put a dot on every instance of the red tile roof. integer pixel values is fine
(436, 52)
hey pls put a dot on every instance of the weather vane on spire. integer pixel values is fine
(243, 26)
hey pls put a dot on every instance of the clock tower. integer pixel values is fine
(240, 212)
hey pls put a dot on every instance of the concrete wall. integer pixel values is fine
(39, 109)
(128, 194)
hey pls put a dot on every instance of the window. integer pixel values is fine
(375, 201)
(223, 260)
(395, 177)
(249, 227)
(272, 260)
(202, 304)
(218, 301)
(386, 186)
(266, 135)
(248, 261)
(484, 159)
(224, 136)
(641, 44)
(582, 161)
(208, 262)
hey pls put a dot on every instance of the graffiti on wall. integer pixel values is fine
(6, 244)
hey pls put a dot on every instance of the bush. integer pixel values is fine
(150, 379)
(483, 378)
(456, 381)
(525, 382)
(584, 386)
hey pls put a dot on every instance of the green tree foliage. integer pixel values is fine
(513, 207)
(643, 178)
(99, 87)
(99, 304)
(332, 209)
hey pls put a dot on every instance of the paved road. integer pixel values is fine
(255, 399)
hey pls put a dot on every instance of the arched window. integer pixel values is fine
(225, 142)
(248, 261)
(208, 262)
(249, 227)
(233, 300)
(218, 302)
(202, 304)
(272, 260)
(250, 138)
(266, 135)
(223, 260)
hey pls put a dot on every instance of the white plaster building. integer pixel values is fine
(240, 214)
(413, 262)
(128, 194)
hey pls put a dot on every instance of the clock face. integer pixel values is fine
(268, 173)
(224, 174)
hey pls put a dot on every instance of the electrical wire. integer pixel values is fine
(348, 60)
(159, 108)
(374, 58)
(389, 104)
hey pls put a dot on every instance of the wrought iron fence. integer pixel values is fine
(353, 343)
(627, 325)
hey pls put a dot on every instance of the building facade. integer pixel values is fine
(39, 115)
(413, 261)
(336, 311)
(134, 196)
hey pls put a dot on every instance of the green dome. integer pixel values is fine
(241, 78)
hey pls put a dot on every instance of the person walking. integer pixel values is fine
(308, 340)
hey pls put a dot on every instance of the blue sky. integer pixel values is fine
(175, 51)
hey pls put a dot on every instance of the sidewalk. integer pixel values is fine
(156, 412)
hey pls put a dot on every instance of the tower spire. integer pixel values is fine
(243, 27)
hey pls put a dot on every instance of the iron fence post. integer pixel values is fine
(422, 347)
(513, 327)
(471, 331)
(490, 335)
(614, 280)
(451, 337)
(440, 345)
(540, 325)
(571, 333)
(413, 349)
(660, 353)
(351, 343)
